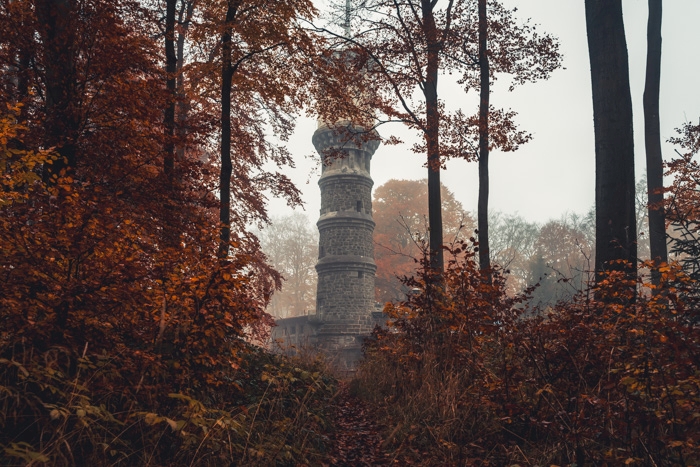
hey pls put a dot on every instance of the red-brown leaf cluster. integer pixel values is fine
(109, 243)
(467, 375)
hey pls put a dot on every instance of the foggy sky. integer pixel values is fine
(555, 172)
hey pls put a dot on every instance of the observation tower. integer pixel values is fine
(346, 269)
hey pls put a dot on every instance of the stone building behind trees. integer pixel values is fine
(345, 298)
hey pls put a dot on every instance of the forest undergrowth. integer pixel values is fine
(467, 375)
(62, 409)
(464, 376)
(122, 343)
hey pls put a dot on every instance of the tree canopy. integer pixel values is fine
(140, 145)
(401, 214)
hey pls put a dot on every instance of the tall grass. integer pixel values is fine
(61, 409)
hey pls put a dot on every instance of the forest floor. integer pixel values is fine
(357, 437)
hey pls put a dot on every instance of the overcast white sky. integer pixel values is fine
(554, 173)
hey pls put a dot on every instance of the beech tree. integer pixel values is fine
(405, 42)
(484, 99)
(652, 140)
(616, 231)
(177, 21)
(85, 258)
(290, 244)
(170, 83)
(501, 46)
(57, 28)
(256, 56)
(410, 44)
(400, 211)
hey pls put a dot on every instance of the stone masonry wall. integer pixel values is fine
(344, 193)
(346, 268)
(338, 239)
(345, 300)
(345, 307)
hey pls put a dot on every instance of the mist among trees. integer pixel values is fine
(141, 145)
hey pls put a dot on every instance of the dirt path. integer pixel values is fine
(356, 439)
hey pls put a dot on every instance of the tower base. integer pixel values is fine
(303, 333)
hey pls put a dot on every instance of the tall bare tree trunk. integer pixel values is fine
(616, 228)
(433, 136)
(169, 232)
(485, 92)
(226, 164)
(57, 31)
(183, 103)
(170, 72)
(652, 140)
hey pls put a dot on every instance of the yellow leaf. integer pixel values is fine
(151, 418)
(175, 425)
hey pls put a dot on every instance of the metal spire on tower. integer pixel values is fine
(347, 19)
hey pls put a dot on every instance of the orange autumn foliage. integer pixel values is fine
(117, 315)
(401, 215)
(100, 248)
(467, 377)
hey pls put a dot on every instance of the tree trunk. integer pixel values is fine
(170, 76)
(57, 31)
(485, 91)
(226, 165)
(652, 140)
(433, 137)
(614, 144)
(19, 76)
(183, 103)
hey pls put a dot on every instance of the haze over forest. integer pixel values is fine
(549, 181)
(554, 173)
(143, 142)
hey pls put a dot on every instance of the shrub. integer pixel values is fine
(274, 411)
(469, 377)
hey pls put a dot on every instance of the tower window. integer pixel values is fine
(359, 206)
(321, 252)
(360, 274)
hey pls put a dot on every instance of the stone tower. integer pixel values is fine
(346, 268)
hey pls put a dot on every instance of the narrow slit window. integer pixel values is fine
(321, 252)
(360, 274)
(359, 206)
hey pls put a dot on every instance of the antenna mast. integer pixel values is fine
(347, 19)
